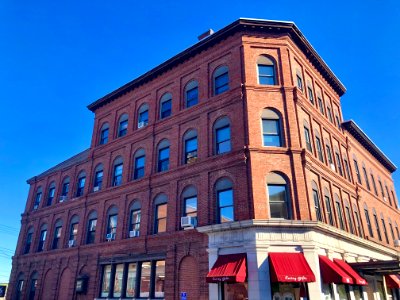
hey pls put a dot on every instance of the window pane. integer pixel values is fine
(159, 280)
(143, 118)
(131, 280)
(225, 198)
(192, 97)
(119, 272)
(112, 224)
(123, 128)
(278, 210)
(221, 83)
(278, 201)
(135, 220)
(270, 126)
(271, 140)
(105, 286)
(226, 214)
(191, 207)
(223, 139)
(166, 109)
(145, 280)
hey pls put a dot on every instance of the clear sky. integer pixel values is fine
(58, 56)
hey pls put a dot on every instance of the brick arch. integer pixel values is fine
(65, 286)
(188, 276)
(48, 285)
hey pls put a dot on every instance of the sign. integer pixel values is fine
(3, 290)
(183, 296)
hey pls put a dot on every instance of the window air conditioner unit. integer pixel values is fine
(134, 233)
(141, 124)
(63, 198)
(188, 222)
(71, 243)
(333, 167)
(110, 236)
(96, 188)
(397, 243)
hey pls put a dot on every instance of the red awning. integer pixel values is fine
(228, 268)
(289, 267)
(349, 270)
(392, 281)
(331, 272)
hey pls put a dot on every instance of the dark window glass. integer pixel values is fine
(91, 233)
(98, 180)
(73, 233)
(28, 243)
(163, 159)
(161, 218)
(278, 201)
(380, 185)
(391, 231)
(387, 192)
(384, 230)
(51, 196)
(266, 74)
(308, 139)
(329, 153)
(191, 150)
(319, 149)
(371, 233)
(378, 230)
(135, 220)
(398, 233)
(81, 186)
(348, 215)
(32, 289)
(317, 206)
(271, 133)
(138, 172)
(123, 128)
(357, 171)
(143, 119)
(340, 215)
(374, 185)
(20, 286)
(145, 277)
(223, 139)
(38, 198)
(339, 164)
(117, 180)
(42, 240)
(65, 189)
(359, 228)
(104, 136)
(221, 83)
(112, 224)
(329, 210)
(299, 82)
(366, 179)
(166, 109)
(310, 95)
(105, 285)
(321, 106)
(192, 97)
(225, 206)
(337, 121)
(346, 165)
(328, 110)
(56, 238)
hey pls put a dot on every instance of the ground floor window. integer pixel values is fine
(327, 291)
(234, 291)
(342, 292)
(140, 279)
(357, 290)
(288, 291)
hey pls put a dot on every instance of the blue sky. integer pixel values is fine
(55, 58)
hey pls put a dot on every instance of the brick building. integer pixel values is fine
(224, 173)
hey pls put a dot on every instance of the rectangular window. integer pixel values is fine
(329, 210)
(329, 153)
(299, 82)
(357, 171)
(28, 243)
(225, 206)
(221, 83)
(57, 236)
(308, 139)
(382, 192)
(369, 225)
(65, 189)
(42, 240)
(387, 192)
(135, 220)
(118, 175)
(131, 280)
(119, 273)
(191, 150)
(384, 230)
(139, 167)
(339, 164)
(328, 110)
(321, 106)
(346, 165)
(104, 136)
(190, 207)
(391, 231)
(366, 179)
(348, 215)
(266, 74)
(340, 215)
(74, 232)
(278, 201)
(166, 109)
(159, 279)
(317, 205)
(271, 133)
(81, 186)
(98, 180)
(319, 149)
(123, 128)
(145, 279)
(51, 196)
(163, 159)
(359, 229)
(37, 200)
(223, 139)
(377, 227)
(143, 119)
(161, 218)
(105, 286)
(337, 121)
(310, 95)
(112, 224)
(91, 231)
(192, 97)
(374, 185)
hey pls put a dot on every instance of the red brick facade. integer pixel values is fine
(246, 165)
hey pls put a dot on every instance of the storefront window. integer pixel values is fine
(105, 286)
(341, 289)
(379, 286)
(159, 280)
(235, 291)
(131, 282)
(288, 291)
(119, 272)
(357, 290)
(145, 280)
(327, 291)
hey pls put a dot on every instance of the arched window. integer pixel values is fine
(357, 169)
(266, 70)
(33, 286)
(368, 220)
(317, 202)
(20, 286)
(329, 154)
(373, 182)
(64, 190)
(310, 92)
(338, 161)
(135, 214)
(163, 156)
(51, 193)
(139, 161)
(190, 147)
(73, 231)
(358, 221)
(329, 113)
(384, 228)
(42, 238)
(320, 103)
(366, 177)
(299, 79)
(378, 230)
(318, 146)
(191, 93)
(57, 234)
(221, 80)
(165, 106)
(189, 203)
(339, 212)
(271, 126)
(80, 184)
(112, 221)
(91, 227)
(28, 240)
(98, 178)
(143, 115)
(38, 198)
(123, 125)
(347, 168)
(391, 229)
(381, 188)
(328, 205)
(397, 230)
(104, 134)
(307, 136)
(388, 194)
(117, 171)
(394, 198)
(278, 196)
(349, 216)
(160, 213)
(225, 202)
(222, 136)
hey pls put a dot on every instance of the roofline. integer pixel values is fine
(368, 144)
(242, 24)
